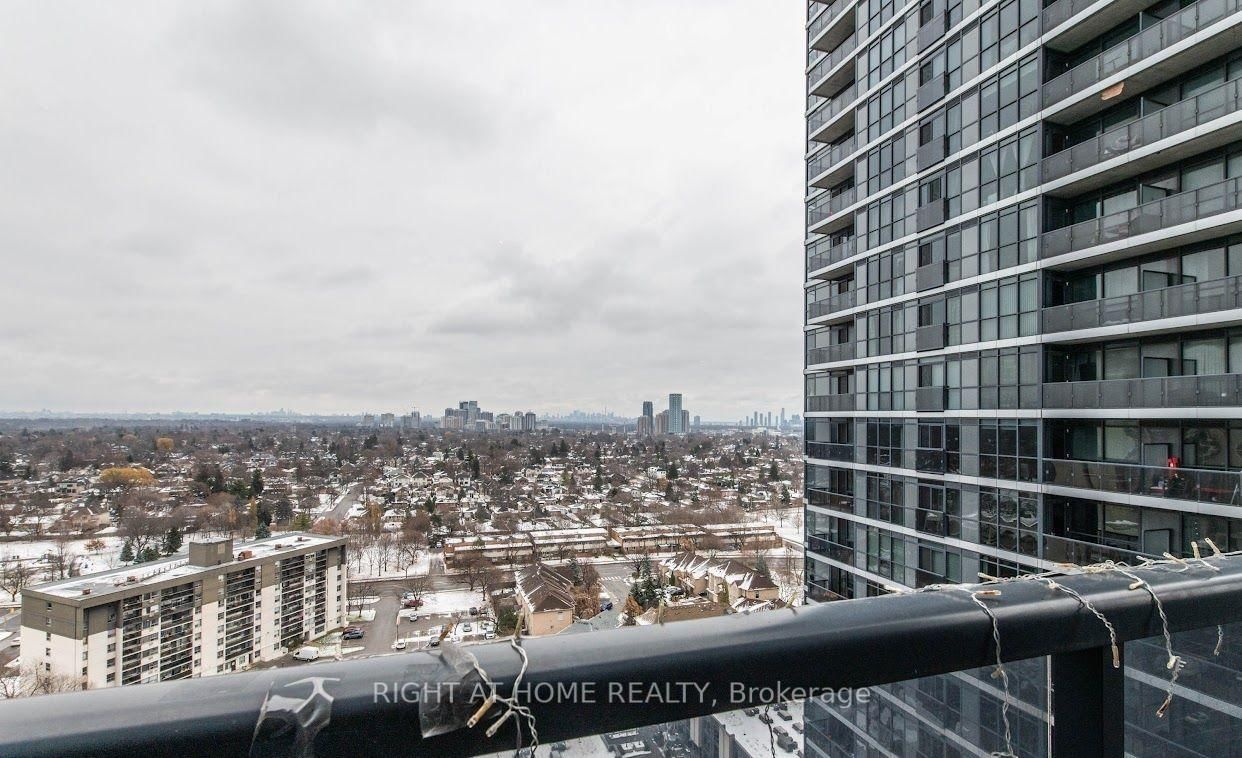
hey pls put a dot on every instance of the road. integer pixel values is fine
(612, 576)
(347, 500)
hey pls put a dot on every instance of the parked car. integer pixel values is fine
(466, 628)
(306, 653)
(412, 603)
(474, 611)
(606, 607)
(797, 726)
(353, 633)
(765, 717)
(400, 644)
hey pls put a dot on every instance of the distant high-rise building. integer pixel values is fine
(645, 426)
(661, 423)
(674, 414)
(648, 410)
(368, 420)
(471, 408)
(685, 422)
(388, 420)
(528, 422)
(698, 423)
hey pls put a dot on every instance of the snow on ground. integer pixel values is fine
(450, 601)
(787, 521)
(367, 614)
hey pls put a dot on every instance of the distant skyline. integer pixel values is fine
(247, 205)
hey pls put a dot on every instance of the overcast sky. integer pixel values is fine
(241, 206)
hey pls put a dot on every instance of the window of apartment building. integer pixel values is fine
(886, 555)
(888, 108)
(1008, 97)
(889, 52)
(1009, 520)
(886, 498)
(887, 164)
(939, 510)
(937, 565)
(880, 11)
(1009, 449)
(884, 442)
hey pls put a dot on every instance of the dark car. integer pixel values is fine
(765, 717)
(606, 607)
(353, 634)
(412, 603)
(784, 715)
(474, 611)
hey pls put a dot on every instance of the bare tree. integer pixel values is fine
(60, 558)
(14, 576)
(474, 568)
(417, 586)
(358, 593)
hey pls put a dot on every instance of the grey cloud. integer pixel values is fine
(239, 206)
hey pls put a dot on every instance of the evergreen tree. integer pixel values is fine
(284, 510)
(785, 495)
(262, 531)
(673, 473)
(172, 540)
(301, 522)
(575, 570)
(149, 553)
(127, 552)
(474, 466)
(256, 482)
(598, 481)
(774, 473)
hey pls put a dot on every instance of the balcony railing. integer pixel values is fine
(1183, 208)
(829, 157)
(830, 451)
(578, 685)
(831, 108)
(829, 403)
(821, 544)
(832, 304)
(830, 205)
(1224, 390)
(1150, 41)
(826, 252)
(1082, 553)
(831, 353)
(829, 62)
(1177, 118)
(1201, 485)
(825, 18)
(1182, 300)
(1063, 10)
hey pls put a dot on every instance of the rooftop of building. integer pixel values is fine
(126, 578)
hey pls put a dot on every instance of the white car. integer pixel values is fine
(306, 653)
(399, 644)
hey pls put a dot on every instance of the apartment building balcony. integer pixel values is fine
(1196, 485)
(1222, 390)
(830, 403)
(1170, 302)
(845, 351)
(830, 451)
(1084, 553)
(831, 25)
(1218, 19)
(828, 166)
(827, 122)
(1100, 16)
(831, 305)
(829, 251)
(825, 547)
(825, 213)
(1201, 213)
(603, 682)
(829, 73)
(1201, 122)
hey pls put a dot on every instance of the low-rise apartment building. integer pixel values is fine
(547, 599)
(210, 610)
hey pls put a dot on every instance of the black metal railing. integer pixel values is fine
(1195, 205)
(418, 703)
(1167, 302)
(1215, 391)
(1200, 485)
(1178, 118)
(1146, 43)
